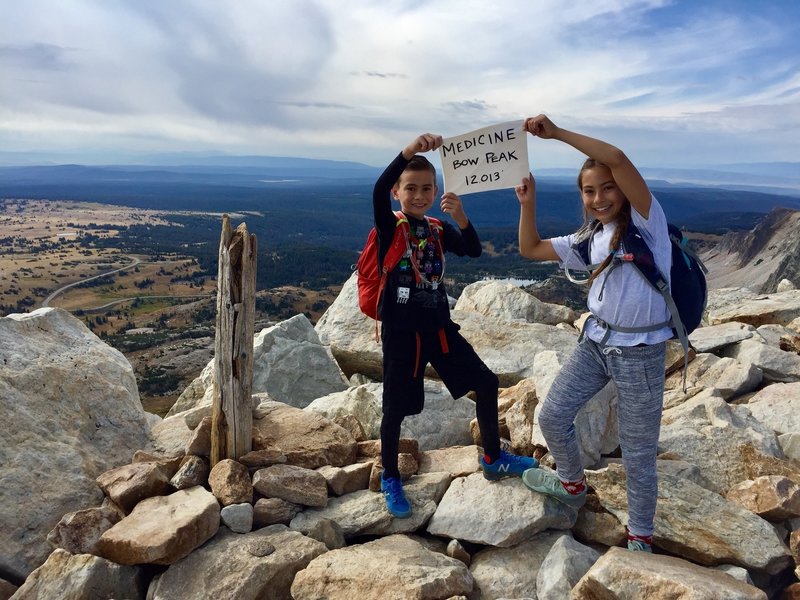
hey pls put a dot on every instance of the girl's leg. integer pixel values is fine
(639, 375)
(583, 375)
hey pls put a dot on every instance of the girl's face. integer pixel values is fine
(602, 199)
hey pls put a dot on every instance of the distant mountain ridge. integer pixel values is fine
(322, 195)
(767, 173)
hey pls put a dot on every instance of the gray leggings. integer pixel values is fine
(638, 373)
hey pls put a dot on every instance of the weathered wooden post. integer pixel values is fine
(232, 410)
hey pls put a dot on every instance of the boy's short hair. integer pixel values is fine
(420, 163)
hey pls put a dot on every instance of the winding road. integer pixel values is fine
(135, 261)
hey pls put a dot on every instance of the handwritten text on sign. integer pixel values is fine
(491, 158)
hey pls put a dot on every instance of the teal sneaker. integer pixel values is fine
(640, 543)
(639, 546)
(507, 465)
(396, 501)
(547, 482)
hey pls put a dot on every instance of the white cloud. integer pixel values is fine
(357, 80)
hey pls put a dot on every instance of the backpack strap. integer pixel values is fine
(581, 249)
(401, 237)
(636, 251)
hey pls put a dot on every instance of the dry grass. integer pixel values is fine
(40, 253)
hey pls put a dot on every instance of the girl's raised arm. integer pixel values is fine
(626, 175)
(531, 245)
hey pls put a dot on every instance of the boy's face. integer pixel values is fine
(416, 191)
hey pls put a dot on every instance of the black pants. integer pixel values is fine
(406, 354)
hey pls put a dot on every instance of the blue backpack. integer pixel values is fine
(689, 296)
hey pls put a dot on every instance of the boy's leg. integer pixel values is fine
(462, 370)
(390, 442)
(403, 394)
(391, 484)
(639, 375)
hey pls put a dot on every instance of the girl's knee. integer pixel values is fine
(550, 419)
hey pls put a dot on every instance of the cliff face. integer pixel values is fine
(758, 259)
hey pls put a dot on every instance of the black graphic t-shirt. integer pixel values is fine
(411, 301)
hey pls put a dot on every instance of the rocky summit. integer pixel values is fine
(100, 499)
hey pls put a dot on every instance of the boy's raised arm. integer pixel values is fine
(422, 143)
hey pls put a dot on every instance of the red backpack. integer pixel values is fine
(371, 279)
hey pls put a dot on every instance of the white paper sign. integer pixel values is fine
(491, 158)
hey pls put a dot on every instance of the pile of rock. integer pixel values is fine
(298, 518)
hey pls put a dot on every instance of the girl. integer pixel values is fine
(614, 196)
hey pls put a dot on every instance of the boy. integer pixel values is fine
(416, 325)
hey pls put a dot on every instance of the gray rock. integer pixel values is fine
(622, 574)
(162, 530)
(510, 512)
(364, 512)
(79, 576)
(790, 444)
(329, 533)
(512, 572)
(729, 377)
(75, 410)
(237, 517)
(778, 407)
(280, 353)
(390, 567)
(505, 300)
(363, 402)
(688, 513)
(563, 567)
(777, 365)
(260, 564)
(444, 422)
(708, 432)
(713, 337)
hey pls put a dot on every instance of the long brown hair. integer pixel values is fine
(623, 220)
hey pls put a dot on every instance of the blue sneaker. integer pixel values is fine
(507, 465)
(396, 501)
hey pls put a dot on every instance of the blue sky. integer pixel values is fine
(675, 84)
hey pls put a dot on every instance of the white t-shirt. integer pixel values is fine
(628, 299)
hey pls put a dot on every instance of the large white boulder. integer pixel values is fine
(70, 411)
(289, 363)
